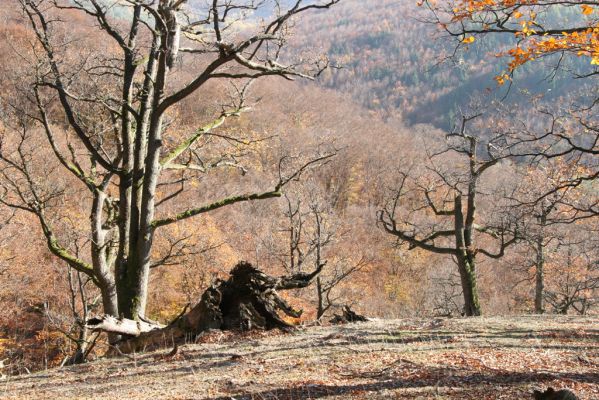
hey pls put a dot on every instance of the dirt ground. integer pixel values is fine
(477, 358)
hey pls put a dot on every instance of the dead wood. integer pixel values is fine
(247, 300)
(121, 326)
(348, 316)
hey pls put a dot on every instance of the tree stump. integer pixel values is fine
(348, 316)
(247, 300)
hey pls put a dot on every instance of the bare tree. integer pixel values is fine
(73, 327)
(452, 200)
(447, 294)
(541, 212)
(558, 138)
(313, 235)
(107, 115)
(575, 281)
(556, 147)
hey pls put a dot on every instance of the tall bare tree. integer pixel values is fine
(108, 114)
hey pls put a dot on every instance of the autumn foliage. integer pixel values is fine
(539, 28)
(363, 110)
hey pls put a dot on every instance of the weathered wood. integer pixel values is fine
(121, 326)
(247, 300)
(348, 316)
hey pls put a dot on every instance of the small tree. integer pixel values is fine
(72, 323)
(573, 275)
(312, 236)
(542, 206)
(440, 216)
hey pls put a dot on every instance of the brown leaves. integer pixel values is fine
(491, 358)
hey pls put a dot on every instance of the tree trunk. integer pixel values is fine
(99, 255)
(539, 278)
(320, 307)
(247, 300)
(465, 256)
(469, 288)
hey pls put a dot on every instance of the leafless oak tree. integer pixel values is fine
(444, 219)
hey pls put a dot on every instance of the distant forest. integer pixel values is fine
(393, 63)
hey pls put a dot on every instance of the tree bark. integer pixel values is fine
(466, 258)
(122, 326)
(320, 292)
(469, 288)
(540, 278)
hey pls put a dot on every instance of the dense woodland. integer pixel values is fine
(422, 172)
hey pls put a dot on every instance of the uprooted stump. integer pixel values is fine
(348, 316)
(247, 300)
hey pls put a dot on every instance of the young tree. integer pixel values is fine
(573, 282)
(440, 216)
(544, 205)
(313, 234)
(109, 118)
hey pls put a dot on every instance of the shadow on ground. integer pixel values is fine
(439, 377)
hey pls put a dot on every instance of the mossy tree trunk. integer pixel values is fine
(469, 288)
(454, 225)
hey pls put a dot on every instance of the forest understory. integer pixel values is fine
(474, 358)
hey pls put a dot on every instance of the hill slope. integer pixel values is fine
(482, 358)
(391, 62)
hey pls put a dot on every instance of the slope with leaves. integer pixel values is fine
(481, 358)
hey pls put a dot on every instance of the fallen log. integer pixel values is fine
(121, 326)
(247, 300)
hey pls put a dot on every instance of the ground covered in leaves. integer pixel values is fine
(478, 358)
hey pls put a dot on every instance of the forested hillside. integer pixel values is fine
(148, 148)
(394, 62)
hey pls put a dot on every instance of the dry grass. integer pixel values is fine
(480, 358)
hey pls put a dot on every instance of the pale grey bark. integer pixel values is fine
(136, 101)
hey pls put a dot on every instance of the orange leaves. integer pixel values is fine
(586, 9)
(536, 37)
(502, 79)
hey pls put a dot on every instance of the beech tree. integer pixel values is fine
(443, 217)
(539, 27)
(108, 117)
